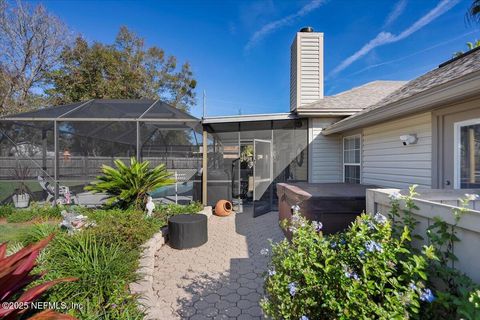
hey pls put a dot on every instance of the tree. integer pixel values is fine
(122, 70)
(31, 40)
(473, 13)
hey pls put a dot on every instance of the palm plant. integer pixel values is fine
(473, 13)
(129, 185)
(470, 46)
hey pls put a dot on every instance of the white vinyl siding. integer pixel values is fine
(386, 162)
(325, 164)
(306, 69)
(311, 70)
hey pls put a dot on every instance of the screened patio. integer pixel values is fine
(65, 146)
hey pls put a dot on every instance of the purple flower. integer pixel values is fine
(333, 244)
(370, 225)
(427, 295)
(317, 225)
(292, 287)
(372, 246)
(380, 218)
(351, 275)
(413, 286)
(343, 242)
(271, 272)
(304, 318)
(362, 253)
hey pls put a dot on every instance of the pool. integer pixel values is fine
(183, 188)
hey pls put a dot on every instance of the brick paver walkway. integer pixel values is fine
(222, 279)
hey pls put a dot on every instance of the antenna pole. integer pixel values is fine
(204, 104)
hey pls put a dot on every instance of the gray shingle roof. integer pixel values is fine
(356, 98)
(455, 69)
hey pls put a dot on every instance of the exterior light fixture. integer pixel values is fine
(409, 139)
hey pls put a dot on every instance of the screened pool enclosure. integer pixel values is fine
(53, 153)
(62, 148)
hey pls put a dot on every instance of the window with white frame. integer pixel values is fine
(467, 154)
(351, 159)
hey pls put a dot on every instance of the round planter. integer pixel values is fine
(21, 200)
(223, 208)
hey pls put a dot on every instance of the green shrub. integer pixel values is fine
(22, 215)
(35, 212)
(39, 231)
(6, 210)
(130, 229)
(103, 271)
(128, 186)
(362, 273)
(165, 211)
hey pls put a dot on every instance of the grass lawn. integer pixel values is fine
(13, 232)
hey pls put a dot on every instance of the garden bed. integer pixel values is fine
(105, 258)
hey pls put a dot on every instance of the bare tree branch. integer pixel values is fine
(31, 41)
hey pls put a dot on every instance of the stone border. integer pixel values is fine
(143, 287)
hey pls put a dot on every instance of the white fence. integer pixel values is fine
(440, 203)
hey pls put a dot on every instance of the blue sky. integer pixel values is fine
(239, 50)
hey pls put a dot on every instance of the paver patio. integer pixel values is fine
(222, 279)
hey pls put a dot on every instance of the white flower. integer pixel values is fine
(395, 195)
(380, 218)
(296, 208)
(264, 252)
(472, 196)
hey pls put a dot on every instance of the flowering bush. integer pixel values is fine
(362, 273)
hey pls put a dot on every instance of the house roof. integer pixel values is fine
(450, 81)
(352, 101)
(108, 110)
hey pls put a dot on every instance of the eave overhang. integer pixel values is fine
(464, 87)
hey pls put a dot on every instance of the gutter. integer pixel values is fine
(451, 91)
(326, 112)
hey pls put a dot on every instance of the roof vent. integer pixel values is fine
(306, 29)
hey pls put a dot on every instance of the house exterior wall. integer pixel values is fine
(386, 162)
(325, 154)
(444, 120)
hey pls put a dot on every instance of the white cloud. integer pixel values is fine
(384, 38)
(395, 13)
(274, 25)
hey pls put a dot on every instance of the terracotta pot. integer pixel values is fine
(223, 208)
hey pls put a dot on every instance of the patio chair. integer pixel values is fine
(64, 194)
